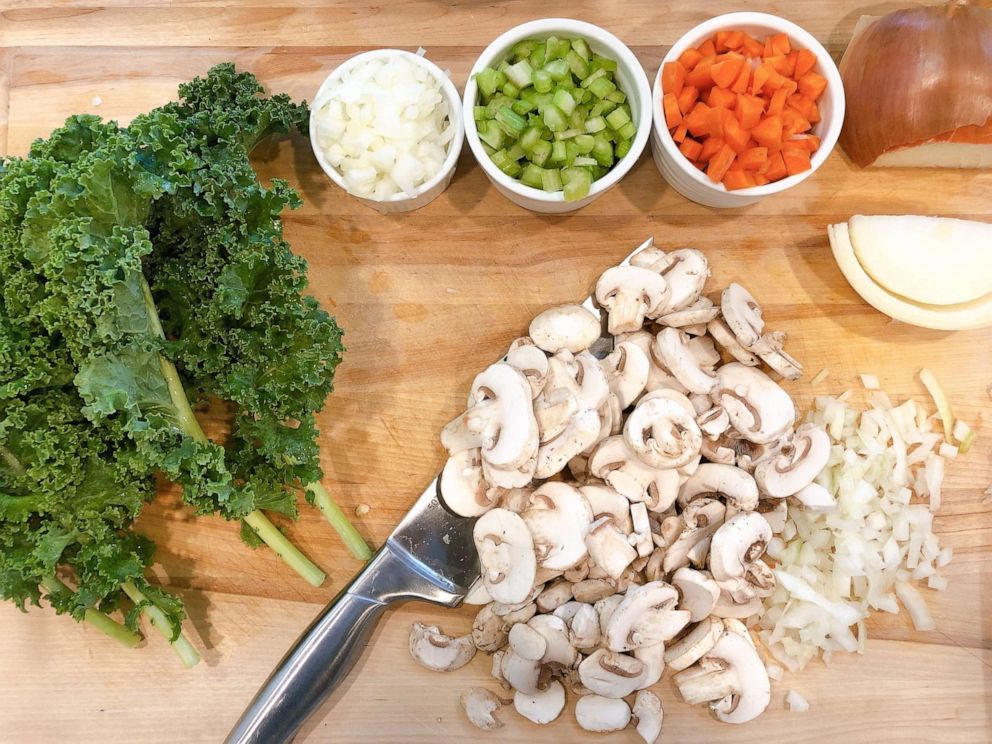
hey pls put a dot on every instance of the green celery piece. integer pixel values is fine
(523, 106)
(551, 179)
(557, 69)
(578, 66)
(479, 113)
(540, 153)
(578, 181)
(510, 121)
(571, 152)
(511, 90)
(627, 131)
(581, 48)
(515, 152)
(595, 75)
(622, 148)
(558, 153)
(583, 160)
(539, 56)
(595, 124)
(558, 48)
(542, 81)
(617, 118)
(492, 134)
(487, 81)
(530, 138)
(523, 49)
(564, 101)
(584, 143)
(567, 134)
(617, 96)
(555, 119)
(602, 87)
(603, 153)
(532, 176)
(521, 73)
(605, 63)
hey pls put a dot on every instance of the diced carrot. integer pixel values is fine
(814, 114)
(720, 163)
(740, 84)
(752, 47)
(812, 85)
(726, 70)
(753, 158)
(796, 161)
(791, 58)
(679, 134)
(777, 103)
(721, 41)
(800, 103)
(775, 80)
(780, 43)
(798, 143)
(696, 120)
(790, 85)
(735, 135)
(794, 123)
(689, 58)
(715, 119)
(776, 168)
(760, 179)
(759, 78)
(737, 179)
(812, 142)
(805, 61)
(769, 50)
(687, 98)
(701, 75)
(779, 63)
(711, 146)
(734, 39)
(749, 110)
(672, 77)
(708, 47)
(673, 117)
(691, 148)
(769, 131)
(722, 97)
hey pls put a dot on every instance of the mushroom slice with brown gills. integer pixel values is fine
(610, 674)
(479, 705)
(559, 650)
(713, 422)
(510, 478)
(532, 362)
(736, 486)
(553, 410)
(742, 314)
(775, 512)
(686, 272)
(797, 465)
(609, 547)
(584, 627)
(735, 556)
(728, 609)
(653, 658)
(695, 644)
(698, 592)
(615, 463)
(770, 348)
(465, 490)
(558, 519)
(601, 714)
(433, 650)
(578, 435)
(699, 312)
(629, 294)
(672, 345)
(651, 258)
(604, 501)
(593, 384)
(543, 706)
(722, 334)
(759, 409)
(646, 616)
(627, 368)
(701, 519)
(523, 675)
(506, 555)
(569, 327)
(662, 433)
(489, 631)
(731, 678)
(648, 716)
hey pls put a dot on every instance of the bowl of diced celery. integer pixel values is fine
(557, 111)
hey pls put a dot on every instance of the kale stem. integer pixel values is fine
(12, 462)
(183, 648)
(102, 622)
(292, 555)
(333, 513)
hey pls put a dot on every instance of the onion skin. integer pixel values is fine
(914, 75)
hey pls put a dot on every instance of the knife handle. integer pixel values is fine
(329, 648)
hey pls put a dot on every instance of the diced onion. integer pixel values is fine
(870, 382)
(820, 376)
(796, 702)
(384, 125)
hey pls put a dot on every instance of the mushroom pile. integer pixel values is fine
(624, 503)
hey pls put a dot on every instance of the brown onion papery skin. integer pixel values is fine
(915, 74)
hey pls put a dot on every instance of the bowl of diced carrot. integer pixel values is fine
(745, 105)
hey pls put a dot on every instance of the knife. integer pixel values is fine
(430, 556)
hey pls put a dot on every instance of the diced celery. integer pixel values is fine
(603, 152)
(595, 124)
(492, 135)
(542, 81)
(571, 152)
(577, 183)
(602, 87)
(593, 77)
(555, 119)
(558, 152)
(580, 47)
(503, 67)
(542, 99)
(581, 95)
(510, 121)
(530, 138)
(551, 179)
(557, 48)
(584, 143)
(567, 134)
(604, 63)
(479, 113)
(557, 69)
(584, 160)
(522, 74)
(617, 118)
(532, 176)
(523, 49)
(487, 149)
(515, 152)
(511, 90)
(564, 101)
(500, 158)
(539, 56)
(616, 96)
(608, 106)
(623, 147)
(598, 172)
(524, 106)
(540, 152)
(513, 169)
(577, 65)
(627, 131)
(486, 80)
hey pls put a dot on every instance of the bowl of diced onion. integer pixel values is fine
(386, 126)
(597, 112)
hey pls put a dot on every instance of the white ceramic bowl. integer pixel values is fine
(691, 182)
(630, 79)
(429, 190)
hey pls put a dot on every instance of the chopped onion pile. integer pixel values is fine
(385, 126)
(865, 553)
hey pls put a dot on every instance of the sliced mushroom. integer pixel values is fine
(593, 383)
(731, 678)
(672, 346)
(605, 608)
(593, 590)
(653, 658)
(695, 644)
(553, 410)
(433, 650)
(559, 646)
(641, 536)
(584, 627)
(523, 675)
(509, 478)
(610, 674)
(699, 312)
(698, 592)
(775, 512)
(526, 642)
(727, 608)
(795, 466)
(736, 549)
(506, 555)
(630, 293)
(759, 409)
(580, 433)
(578, 572)
(815, 497)
(465, 490)
(569, 327)
(651, 258)
(532, 362)
(601, 714)
(645, 617)
(770, 349)
(479, 705)
(477, 594)
(558, 518)
(701, 519)
(489, 630)
(608, 547)
(686, 271)
(648, 716)
(543, 706)
(662, 433)
(728, 482)
(743, 315)
(627, 369)
(615, 463)
(722, 334)
(554, 596)
(604, 501)
(713, 422)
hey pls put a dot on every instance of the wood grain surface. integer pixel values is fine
(427, 299)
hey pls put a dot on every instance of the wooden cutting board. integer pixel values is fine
(426, 300)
